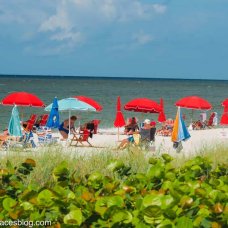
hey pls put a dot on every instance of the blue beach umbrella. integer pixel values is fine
(14, 127)
(180, 132)
(72, 104)
(53, 120)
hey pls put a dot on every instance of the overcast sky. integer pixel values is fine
(130, 38)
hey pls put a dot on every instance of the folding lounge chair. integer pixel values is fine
(30, 123)
(210, 122)
(44, 120)
(82, 138)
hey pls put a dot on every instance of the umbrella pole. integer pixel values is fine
(69, 126)
(192, 116)
(118, 134)
(22, 114)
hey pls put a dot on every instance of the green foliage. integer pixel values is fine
(192, 195)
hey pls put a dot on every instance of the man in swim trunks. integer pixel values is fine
(64, 127)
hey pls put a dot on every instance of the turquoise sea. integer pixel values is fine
(106, 90)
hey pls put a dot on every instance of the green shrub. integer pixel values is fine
(192, 195)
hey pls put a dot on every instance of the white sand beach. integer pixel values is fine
(108, 139)
(199, 140)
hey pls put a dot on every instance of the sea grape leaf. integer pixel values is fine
(115, 201)
(30, 162)
(9, 203)
(122, 216)
(73, 217)
(61, 169)
(167, 158)
(27, 206)
(45, 197)
(184, 222)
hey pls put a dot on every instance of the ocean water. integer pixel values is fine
(106, 90)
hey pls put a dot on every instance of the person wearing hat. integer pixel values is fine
(148, 130)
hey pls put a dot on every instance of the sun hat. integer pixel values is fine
(146, 121)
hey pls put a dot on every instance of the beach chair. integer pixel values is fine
(81, 139)
(96, 123)
(198, 125)
(147, 137)
(210, 122)
(30, 123)
(45, 136)
(43, 120)
(26, 141)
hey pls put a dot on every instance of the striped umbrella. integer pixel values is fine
(180, 132)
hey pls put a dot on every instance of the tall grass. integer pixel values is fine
(47, 158)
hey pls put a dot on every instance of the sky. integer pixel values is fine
(122, 38)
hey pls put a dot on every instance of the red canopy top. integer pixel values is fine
(193, 102)
(143, 105)
(23, 99)
(91, 102)
(225, 102)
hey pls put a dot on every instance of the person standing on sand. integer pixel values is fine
(64, 127)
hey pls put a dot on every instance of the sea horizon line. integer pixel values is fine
(105, 77)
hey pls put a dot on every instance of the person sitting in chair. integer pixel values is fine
(64, 127)
(131, 128)
(148, 130)
(91, 127)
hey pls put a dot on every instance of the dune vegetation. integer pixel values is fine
(116, 189)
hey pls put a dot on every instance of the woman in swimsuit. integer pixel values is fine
(131, 128)
(64, 127)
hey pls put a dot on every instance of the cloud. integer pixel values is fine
(142, 38)
(85, 17)
(76, 37)
(70, 23)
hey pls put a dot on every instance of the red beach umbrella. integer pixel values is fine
(224, 119)
(143, 105)
(119, 121)
(91, 102)
(225, 105)
(193, 102)
(225, 102)
(162, 117)
(23, 99)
